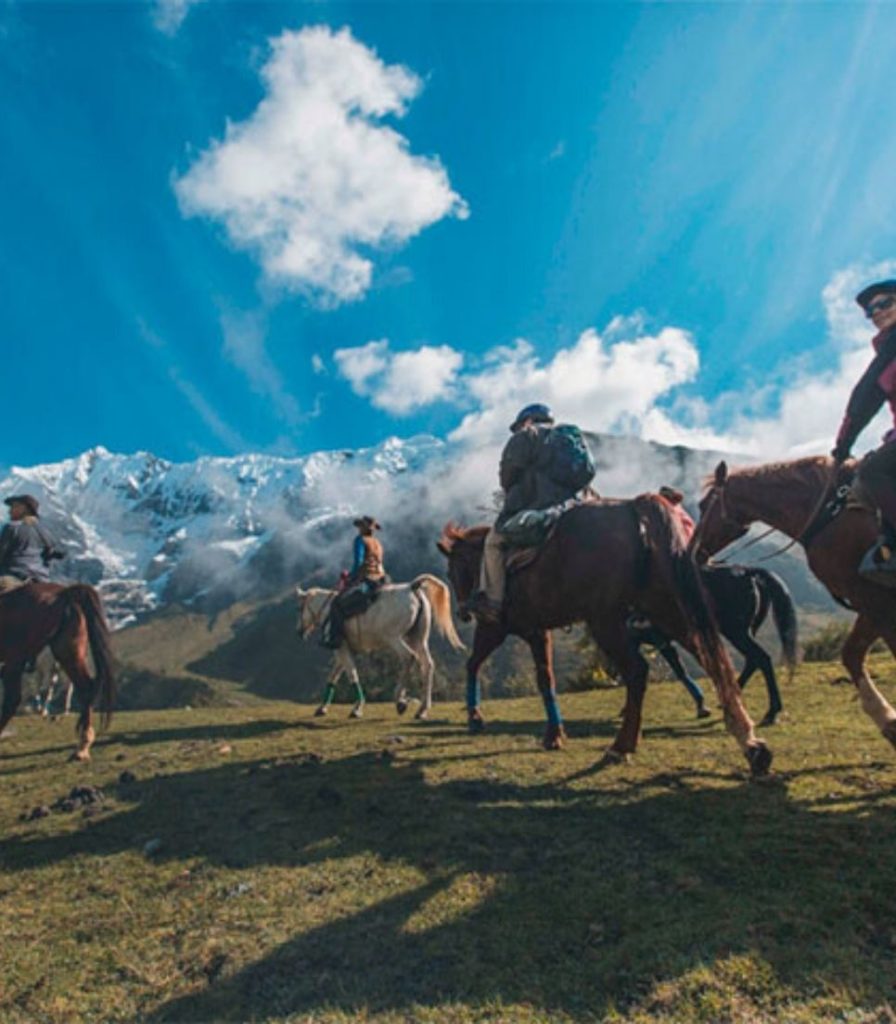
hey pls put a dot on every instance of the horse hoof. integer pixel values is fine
(704, 712)
(321, 712)
(80, 755)
(357, 712)
(614, 756)
(422, 715)
(475, 723)
(401, 706)
(554, 737)
(760, 758)
(768, 721)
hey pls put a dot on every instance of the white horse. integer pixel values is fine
(399, 620)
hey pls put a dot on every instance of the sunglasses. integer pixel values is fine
(879, 306)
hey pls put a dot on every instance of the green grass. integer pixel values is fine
(328, 871)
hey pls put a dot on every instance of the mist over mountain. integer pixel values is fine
(152, 534)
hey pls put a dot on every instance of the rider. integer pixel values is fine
(877, 471)
(364, 579)
(26, 547)
(529, 480)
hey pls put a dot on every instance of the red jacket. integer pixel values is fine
(876, 386)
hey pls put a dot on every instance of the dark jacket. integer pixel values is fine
(26, 549)
(525, 473)
(876, 386)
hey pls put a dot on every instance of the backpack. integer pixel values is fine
(569, 461)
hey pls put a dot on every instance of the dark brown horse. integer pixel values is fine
(71, 621)
(787, 496)
(603, 561)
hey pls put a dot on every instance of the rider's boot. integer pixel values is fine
(879, 563)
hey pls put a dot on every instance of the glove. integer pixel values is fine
(840, 454)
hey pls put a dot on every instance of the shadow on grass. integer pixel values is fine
(588, 897)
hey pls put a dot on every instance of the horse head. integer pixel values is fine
(717, 527)
(463, 549)
(313, 607)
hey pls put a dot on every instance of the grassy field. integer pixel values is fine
(256, 864)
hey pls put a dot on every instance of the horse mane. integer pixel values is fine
(810, 469)
(454, 533)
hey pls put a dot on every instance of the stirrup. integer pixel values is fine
(879, 563)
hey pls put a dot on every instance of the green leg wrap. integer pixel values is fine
(329, 694)
(359, 693)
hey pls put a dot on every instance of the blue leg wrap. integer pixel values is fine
(474, 691)
(552, 708)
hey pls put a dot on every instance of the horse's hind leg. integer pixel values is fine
(542, 648)
(12, 693)
(614, 640)
(70, 650)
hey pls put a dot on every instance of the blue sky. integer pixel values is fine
(276, 227)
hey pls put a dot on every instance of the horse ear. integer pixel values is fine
(721, 473)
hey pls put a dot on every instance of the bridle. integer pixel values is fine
(316, 619)
(716, 502)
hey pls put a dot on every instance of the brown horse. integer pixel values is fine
(787, 496)
(603, 561)
(71, 621)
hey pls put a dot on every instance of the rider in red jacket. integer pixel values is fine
(877, 385)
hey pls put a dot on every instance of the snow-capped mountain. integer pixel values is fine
(149, 532)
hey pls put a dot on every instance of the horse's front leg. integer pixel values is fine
(542, 648)
(487, 638)
(12, 693)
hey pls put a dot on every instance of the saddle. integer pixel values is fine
(528, 531)
(356, 600)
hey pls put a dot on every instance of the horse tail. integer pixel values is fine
(670, 546)
(87, 599)
(783, 612)
(440, 598)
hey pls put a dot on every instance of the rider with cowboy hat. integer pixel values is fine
(26, 547)
(877, 471)
(365, 577)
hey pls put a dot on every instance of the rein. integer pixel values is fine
(316, 620)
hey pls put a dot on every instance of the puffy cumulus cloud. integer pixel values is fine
(168, 15)
(400, 382)
(608, 382)
(314, 180)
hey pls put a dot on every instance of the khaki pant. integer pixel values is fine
(491, 576)
(8, 583)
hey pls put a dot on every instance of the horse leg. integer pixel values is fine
(542, 648)
(330, 689)
(360, 700)
(12, 693)
(614, 640)
(757, 657)
(862, 635)
(487, 638)
(70, 650)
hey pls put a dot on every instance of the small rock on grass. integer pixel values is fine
(152, 846)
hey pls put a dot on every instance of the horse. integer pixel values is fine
(796, 498)
(603, 561)
(400, 620)
(71, 620)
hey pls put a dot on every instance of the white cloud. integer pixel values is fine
(313, 180)
(168, 15)
(318, 366)
(400, 382)
(609, 383)
(628, 380)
